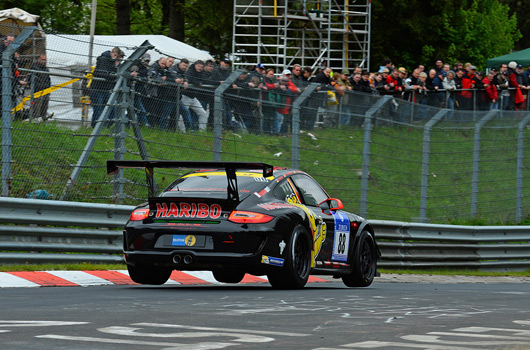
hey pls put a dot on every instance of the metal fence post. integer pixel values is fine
(295, 154)
(7, 105)
(426, 161)
(476, 159)
(520, 166)
(363, 208)
(119, 140)
(219, 109)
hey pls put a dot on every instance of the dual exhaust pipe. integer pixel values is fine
(186, 259)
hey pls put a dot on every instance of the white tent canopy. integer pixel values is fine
(19, 15)
(72, 50)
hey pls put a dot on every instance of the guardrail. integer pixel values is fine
(43, 231)
(416, 245)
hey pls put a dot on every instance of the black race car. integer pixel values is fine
(233, 218)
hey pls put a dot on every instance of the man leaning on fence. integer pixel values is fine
(106, 68)
(39, 83)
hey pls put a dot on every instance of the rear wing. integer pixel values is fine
(230, 167)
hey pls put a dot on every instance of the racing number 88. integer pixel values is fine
(341, 247)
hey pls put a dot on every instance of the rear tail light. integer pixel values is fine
(248, 217)
(139, 214)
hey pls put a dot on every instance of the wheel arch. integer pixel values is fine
(366, 226)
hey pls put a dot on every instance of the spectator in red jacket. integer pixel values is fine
(468, 83)
(491, 93)
(394, 82)
(514, 82)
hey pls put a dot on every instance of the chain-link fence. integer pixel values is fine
(384, 157)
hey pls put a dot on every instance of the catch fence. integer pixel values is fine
(384, 157)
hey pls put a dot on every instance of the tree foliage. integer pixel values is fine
(453, 30)
(408, 31)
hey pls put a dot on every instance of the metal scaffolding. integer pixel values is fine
(315, 33)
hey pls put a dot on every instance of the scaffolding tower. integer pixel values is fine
(314, 33)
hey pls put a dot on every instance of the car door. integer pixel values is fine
(311, 195)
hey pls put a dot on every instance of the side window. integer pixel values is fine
(311, 192)
(284, 191)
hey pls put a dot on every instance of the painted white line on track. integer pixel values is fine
(173, 346)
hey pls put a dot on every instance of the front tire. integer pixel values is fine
(144, 274)
(297, 264)
(364, 262)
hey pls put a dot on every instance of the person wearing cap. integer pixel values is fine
(259, 71)
(385, 88)
(220, 74)
(517, 100)
(323, 78)
(106, 68)
(289, 91)
(402, 74)
(243, 99)
(343, 83)
(139, 73)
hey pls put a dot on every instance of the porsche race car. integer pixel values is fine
(234, 218)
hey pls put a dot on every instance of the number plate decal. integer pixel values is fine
(341, 240)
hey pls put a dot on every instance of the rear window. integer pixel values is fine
(216, 182)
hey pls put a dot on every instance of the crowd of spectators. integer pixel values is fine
(260, 100)
(180, 95)
(458, 86)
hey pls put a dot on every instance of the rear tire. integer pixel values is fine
(297, 264)
(145, 274)
(364, 262)
(226, 276)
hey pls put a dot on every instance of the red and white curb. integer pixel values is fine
(112, 277)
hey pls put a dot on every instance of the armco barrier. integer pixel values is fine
(415, 245)
(43, 231)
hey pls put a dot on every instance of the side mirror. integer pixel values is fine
(330, 204)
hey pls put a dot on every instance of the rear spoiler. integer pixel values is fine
(230, 167)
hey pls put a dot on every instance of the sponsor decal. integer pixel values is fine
(269, 260)
(262, 192)
(183, 240)
(188, 210)
(318, 230)
(282, 246)
(341, 240)
(274, 206)
(190, 240)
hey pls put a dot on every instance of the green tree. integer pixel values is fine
(521, 7)
(209, 25)
(483, 30)
(413, 31)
